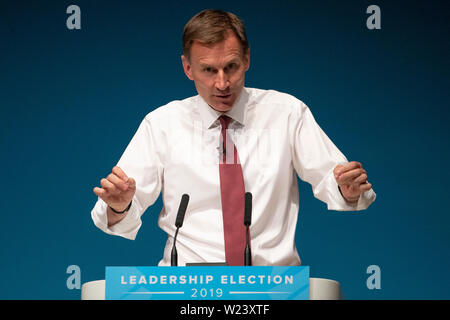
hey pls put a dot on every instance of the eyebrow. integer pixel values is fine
(206, 65)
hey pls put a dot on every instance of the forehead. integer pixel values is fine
(229, 49)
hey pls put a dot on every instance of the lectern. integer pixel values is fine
(210, 283)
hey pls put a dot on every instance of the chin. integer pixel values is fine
(222, 107)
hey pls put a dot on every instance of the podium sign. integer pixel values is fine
(207, 283)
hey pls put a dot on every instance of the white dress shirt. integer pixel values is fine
(176, 150)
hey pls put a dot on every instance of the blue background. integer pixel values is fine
(72, 99)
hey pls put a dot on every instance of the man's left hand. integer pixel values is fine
(352, 180)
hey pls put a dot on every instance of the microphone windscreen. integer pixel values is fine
(248, 209)
(182, 210)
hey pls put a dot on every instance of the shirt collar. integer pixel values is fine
(237, 113)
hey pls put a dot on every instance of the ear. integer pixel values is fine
(247, 59)
(187, 67)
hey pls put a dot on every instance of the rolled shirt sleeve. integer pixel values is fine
(141, 161)
(314, 158)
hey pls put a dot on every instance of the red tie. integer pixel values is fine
(233, 199)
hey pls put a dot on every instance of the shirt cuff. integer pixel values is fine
(128, 227)
(363, 203)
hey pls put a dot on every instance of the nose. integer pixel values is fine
(222, 81)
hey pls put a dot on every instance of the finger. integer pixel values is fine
(131, 184)
(349, 166)
(365, 187)
(100, 192)
(120, 173)
(109, 187)
(348, 177)
(361, 179)
(337, 170)
(119, 183)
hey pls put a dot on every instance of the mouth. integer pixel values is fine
(222, 96)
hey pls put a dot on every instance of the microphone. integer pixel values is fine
(247, 222)
(178, 223)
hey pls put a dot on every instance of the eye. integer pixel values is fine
(231, 66)
(207, 69)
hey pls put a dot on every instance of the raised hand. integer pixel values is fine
(117, 189)
(352, 180)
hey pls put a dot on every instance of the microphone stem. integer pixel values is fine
(175, 237)
(247, 234)
(174, 254)
(247, 251)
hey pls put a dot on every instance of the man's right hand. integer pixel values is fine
(117, 189)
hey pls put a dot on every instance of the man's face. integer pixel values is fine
(218, 71)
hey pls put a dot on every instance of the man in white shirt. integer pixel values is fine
(177, 147)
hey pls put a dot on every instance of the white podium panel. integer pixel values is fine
(93, 290)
